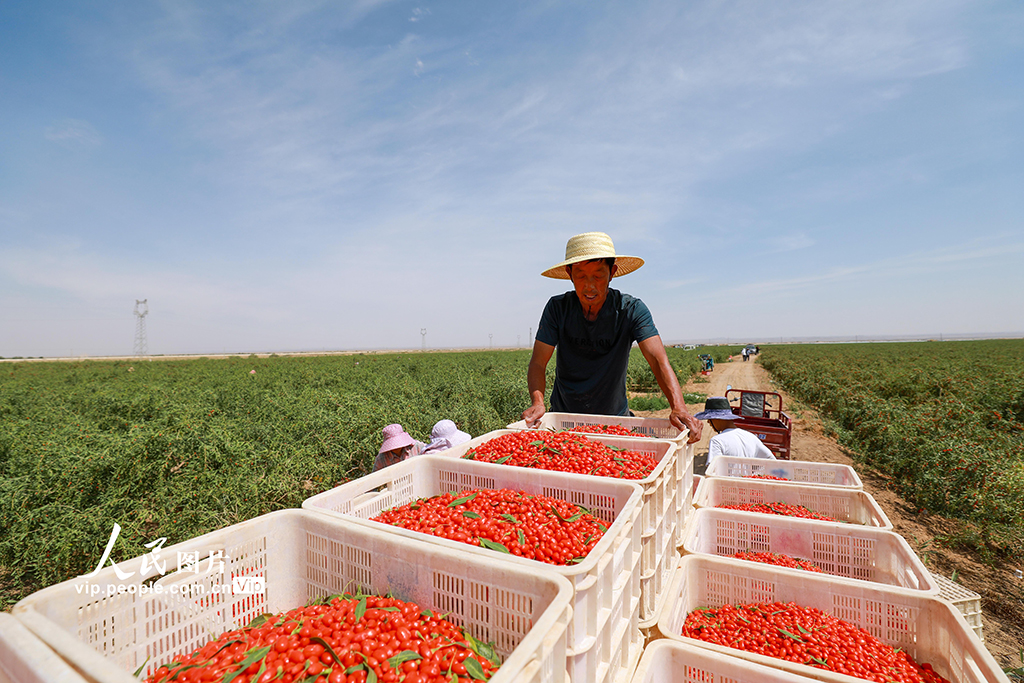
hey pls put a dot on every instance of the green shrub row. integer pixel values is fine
(945, 420)
(178, 448)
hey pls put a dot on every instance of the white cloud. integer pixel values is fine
(944, 260)
(792, 242)
(73, 133)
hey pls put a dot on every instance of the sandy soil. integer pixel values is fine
(1002, 593)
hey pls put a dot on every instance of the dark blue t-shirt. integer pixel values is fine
(591, 358)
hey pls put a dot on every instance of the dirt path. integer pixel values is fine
(1001, 591)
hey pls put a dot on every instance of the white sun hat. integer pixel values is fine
(592, 245)
(444, 435)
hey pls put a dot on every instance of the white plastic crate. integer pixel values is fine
(631, 641)
(685, 493)
(929, 629)
(300, 556)
(796, 471)
(607, 657)
(659, 596)
(26, 659)
(685, 478)
(654, 581)
(652, 545)
(645, 427)
(843, 505)
(670, 661)
(964, 599)
(847, 551)
(656, 485)
(615, 501)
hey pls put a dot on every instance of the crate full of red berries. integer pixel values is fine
(794, 500)
(584, 528)
(654, 464)
(299, 596)
(817, 627)
(611, 425)
(850, 552)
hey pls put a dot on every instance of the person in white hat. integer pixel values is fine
(594, 328)
(444, 435)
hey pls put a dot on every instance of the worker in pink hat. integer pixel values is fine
(396, 447)
(594, 327)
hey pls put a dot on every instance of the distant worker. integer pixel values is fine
(443, 436)
(746, 354)
(594, 328)
(396, 447)
(729, 439)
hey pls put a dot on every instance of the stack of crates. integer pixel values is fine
(602, 636)
(871, 577)
(662, 516)
(668, 495)
(287, 559)
(928, 628)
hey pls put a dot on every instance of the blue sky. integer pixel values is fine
(327, 175)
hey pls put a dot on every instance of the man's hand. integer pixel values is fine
(533, 414)
(683, 420)
(535, 379)
(654, 352)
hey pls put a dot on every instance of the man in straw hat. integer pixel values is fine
(594, 328)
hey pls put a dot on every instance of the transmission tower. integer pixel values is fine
(423, 333)
(141, 346)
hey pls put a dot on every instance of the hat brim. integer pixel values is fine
(717, 415)
(626, 265)
(397, 441)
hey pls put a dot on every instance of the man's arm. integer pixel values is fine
(536, 381)
(654, 353)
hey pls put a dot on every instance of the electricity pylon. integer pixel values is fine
(141, 346)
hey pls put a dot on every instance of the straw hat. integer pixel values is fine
(592, 245)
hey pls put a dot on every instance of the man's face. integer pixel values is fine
(590, 280)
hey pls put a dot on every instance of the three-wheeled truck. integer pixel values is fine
(761, 414)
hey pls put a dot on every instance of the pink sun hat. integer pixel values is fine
(394, 437)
